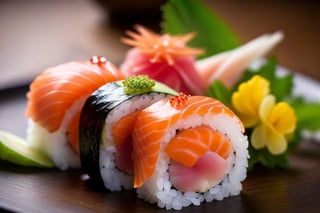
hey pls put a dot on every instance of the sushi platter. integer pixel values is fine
(33, 190)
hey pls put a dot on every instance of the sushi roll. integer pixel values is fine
(187, 150)
(106, 123)
(55, 99)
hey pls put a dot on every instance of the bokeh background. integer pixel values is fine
(36, 34)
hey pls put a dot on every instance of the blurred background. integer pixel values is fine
(36, 34)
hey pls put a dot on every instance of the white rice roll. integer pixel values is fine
(191, 150)
(105, 131)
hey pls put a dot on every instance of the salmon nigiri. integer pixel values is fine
(54, 103)
(188, 149)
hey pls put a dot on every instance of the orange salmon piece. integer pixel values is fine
(73, 132)
(121, 134)
(123, 128)
(56, 89)
(190, 144)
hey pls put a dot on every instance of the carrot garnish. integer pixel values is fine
(161, 48)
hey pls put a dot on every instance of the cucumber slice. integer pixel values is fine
(16, 150)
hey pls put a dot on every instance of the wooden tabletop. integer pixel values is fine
(293, 190)
(27, 50)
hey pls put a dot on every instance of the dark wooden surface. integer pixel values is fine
(292, 190)
(296, 189)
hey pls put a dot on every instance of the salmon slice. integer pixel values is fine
(154, 122)
(73, 132)
(190, 144)
(121, 130)
(122, 139)
(56, 89)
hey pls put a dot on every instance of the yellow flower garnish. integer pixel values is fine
(271, 122)
(246, 101)
(277, 121)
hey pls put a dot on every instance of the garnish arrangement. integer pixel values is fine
(273, 117)
(179, 121)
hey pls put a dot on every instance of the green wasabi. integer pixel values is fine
(136, 85)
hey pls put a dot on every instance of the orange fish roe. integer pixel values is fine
(179, 101)
(98, 60)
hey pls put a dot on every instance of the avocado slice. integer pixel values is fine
(16, 150)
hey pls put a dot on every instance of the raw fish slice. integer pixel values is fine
(229, 66)
(182, 75)
(190, 144)
(121, 132)
(122, 129)
(207, 172)
(56, 89)
(59, 88)
(73, 132)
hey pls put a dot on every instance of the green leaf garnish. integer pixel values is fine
(308, 114)
(263, 156)
(218, 90)
(185, 16)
